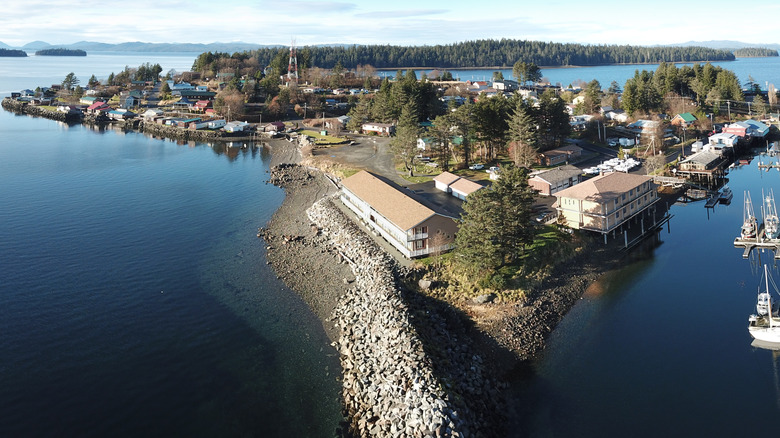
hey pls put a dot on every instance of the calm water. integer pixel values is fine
(135, 296)
(136, 300)
(661, 348)
(33, 71)
(762, 70)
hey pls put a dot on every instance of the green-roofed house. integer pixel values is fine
(684, 119)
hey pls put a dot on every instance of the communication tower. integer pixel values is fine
(292, 66)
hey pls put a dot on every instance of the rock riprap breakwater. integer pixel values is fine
(391, 388)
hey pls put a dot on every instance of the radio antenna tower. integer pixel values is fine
(292, 66)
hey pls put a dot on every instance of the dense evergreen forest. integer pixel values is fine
(13, 52)
(60, 52)
(491, 53)
(748, 52)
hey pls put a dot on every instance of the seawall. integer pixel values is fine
(392, 386)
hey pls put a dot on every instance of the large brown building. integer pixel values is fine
(412, 227)
(605, 202)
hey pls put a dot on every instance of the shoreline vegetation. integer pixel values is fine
(12, 53)
(60, 52)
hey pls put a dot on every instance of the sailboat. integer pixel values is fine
(771, 220)
(764, 325)
(749, 222)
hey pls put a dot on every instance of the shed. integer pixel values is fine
(444, 180)
(464, 187)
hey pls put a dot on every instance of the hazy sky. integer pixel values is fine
(383, 22)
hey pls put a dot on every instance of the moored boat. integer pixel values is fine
(771, 220)
(749, 222)
(764, 325)
(725, 195)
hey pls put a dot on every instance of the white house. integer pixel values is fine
(236, 126)
(216, 124)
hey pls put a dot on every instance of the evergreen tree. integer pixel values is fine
(759, 105)
(553, 121)
(490, 123)
(359, 114)
(521, 135)
(404, 144)
(70, 81)
(495, 226)
(443, 127)
(477, 243)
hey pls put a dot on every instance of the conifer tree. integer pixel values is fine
(495, 226)
(404, 144)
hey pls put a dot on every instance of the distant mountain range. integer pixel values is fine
(239, 46)
(91, 46)
(728, 45)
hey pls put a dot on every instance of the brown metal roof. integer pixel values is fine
(387, 200)
(604, 187)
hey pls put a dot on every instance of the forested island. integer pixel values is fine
(754, 52)
(491, 53)
(60, 52)
(13, 53)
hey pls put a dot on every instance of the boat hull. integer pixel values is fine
(765, 334)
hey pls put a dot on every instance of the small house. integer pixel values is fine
(550, 182)
(683, 119)
(563, 154)
(236, 126)
(382, 129)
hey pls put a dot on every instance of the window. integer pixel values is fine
(419, 244)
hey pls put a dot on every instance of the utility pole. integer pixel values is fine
(728, 104)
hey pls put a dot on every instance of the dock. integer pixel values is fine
(757, 242)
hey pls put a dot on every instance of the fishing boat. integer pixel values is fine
(725, 195)
(771, 220)
(749, 222)
(764, 325)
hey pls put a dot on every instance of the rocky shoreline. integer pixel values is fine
(390, 385)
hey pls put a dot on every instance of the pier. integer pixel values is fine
(751, 243)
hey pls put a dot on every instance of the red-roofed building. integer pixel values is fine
(98, 107)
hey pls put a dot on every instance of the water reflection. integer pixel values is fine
(775, 355)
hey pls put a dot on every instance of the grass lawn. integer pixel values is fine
(324, 140)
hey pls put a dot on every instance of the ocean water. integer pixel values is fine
(762, 70)
(135, 299)
(134, 295)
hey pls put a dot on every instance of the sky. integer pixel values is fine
(400, 22)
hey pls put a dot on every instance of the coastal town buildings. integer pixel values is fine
(410, 226)
(563, 154)
(604, 203)
(550, 182)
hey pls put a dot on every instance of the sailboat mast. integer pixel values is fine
(768, 295)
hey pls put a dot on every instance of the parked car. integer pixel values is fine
(477, 166)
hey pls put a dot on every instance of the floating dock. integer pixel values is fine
(751, 243)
